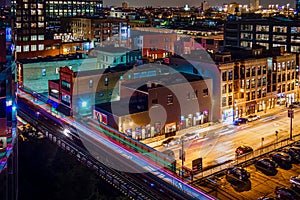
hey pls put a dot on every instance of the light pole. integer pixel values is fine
(291, 116)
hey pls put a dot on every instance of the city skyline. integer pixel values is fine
(133, 3)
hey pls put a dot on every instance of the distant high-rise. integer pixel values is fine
(8, 140)
(254, 5)
(298, 6)
(37, 20)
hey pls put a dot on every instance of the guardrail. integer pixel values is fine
(247, 159)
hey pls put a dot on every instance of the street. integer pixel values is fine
(218, 146)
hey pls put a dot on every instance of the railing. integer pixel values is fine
(247, 159)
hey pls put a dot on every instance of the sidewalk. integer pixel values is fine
(156, 141)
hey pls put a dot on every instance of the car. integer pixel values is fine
(240, 121)
(190, 136)
(243, 150)
(266, 198)
(169, 152)
(296, 105)
(296, 144)
(293, 152)
(266, 165)
(238, 172)
(295, 181)
(253, 118)
(167, 141)
(285, 193)
(284, 160)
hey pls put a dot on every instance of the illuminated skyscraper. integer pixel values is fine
(8, 139)
(298, 6)
(254, 5)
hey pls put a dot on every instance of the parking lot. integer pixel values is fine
(259, 184)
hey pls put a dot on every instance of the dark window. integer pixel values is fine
(65, 85)
(205, 92)
(154, 101)
(224, 76)
(170, 99)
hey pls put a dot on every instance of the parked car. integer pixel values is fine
(190, 136)
(295, 181)
(266, 165)
(296, 104)
(282, 159)
(296, 144)
(285, 193)
(240, 121)
(243, 150)
(266, 198)
(169, 152)
(238, 172)
(253, 118)
(168, 142)
(293, 152)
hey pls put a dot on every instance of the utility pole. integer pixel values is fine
(291, 116)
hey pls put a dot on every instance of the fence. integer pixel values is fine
(247, 159)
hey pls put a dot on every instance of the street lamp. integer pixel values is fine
(291, 116)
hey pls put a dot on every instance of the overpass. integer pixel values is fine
(158, 180)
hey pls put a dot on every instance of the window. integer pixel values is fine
(247, 72)
(41, 47)
(205, 92)
(247, 84)
(26, 48)
(33, 47)
(18, 49)
(66, 99)
(224, 89)
(170, 99)
(230, 87)
(65, 85)
(154, 101)
(230, 100)
(33, 38)
(41, 37)
(224, 101)
(253, 71)
(44, 72)
(106, 81)
(248, 96)
(224, 76)
(230, 75)
(253, 95)
(253, 83)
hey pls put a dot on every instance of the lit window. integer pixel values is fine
(33, 47)
(33, 38)
(170, 99)
(26, 48)
(41, 37)
(18, 49)
(41, 47)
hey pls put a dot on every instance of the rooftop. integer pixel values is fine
(122, 107)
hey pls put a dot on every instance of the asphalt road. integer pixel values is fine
(218, 146)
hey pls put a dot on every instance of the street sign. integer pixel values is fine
(291, 113)
(197, 165)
